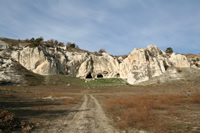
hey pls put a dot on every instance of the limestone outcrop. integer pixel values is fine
(99, 66)
(140, 65)
(8, 72)
(145, 63)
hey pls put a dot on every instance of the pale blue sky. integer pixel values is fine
(118, 26)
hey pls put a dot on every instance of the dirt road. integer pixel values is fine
(88, 118)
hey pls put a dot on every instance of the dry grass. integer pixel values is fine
(73, 100)
(139, 111)
(195, 98)
(39, 108)
(57, 94)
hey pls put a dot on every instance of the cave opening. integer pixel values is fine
(117, 75)
(99, 75)
(89, 76)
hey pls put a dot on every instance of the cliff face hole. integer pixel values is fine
(89, 76)
(99, 76)
(117, 75)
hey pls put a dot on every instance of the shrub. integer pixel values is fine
(71, 45)
(56, 41)
(51, 41)
(169, 50)
(27, 40)
(102, 51)
(97, 53)
(32, 40)
(193, 60)
(60, 44)
(35, 42)
(9, 122)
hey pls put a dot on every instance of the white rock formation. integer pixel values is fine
(8, 73)
(3, 45)
(143, 64)
(179, 60)
(36, 60)
(99, 66)
(140, 65)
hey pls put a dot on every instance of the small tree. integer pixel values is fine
(71, 45)
(169, 50)
(56, 41)
(32, 40)
(60, 44)
(51, 41)
(35, 42)
(102, 51)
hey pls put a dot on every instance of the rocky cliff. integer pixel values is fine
(140, 65)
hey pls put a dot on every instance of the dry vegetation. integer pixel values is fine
(20, 106)
(165, 107)
(10, 122)
(73, 100)
(149, 112)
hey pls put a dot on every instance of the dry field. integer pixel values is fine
(99, 107)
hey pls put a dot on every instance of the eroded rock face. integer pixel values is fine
(36, 60)
(140, 65)
(104, 66)
(8, 73)
(143, 64)
(3, 45)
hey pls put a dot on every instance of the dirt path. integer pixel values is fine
(89, 118)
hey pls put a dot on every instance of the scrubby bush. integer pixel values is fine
(169, 50)
(9, 122)
(71, 45)
(102, 51)
(35, 42)
(27, 40)
(97, 53)
(51, 41)
(56, 41)
(60, 44)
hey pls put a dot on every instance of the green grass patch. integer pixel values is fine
(74, 81)
(33, 78)
(58, 79)
(105, 82)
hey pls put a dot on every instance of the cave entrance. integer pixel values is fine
(117, 75)
(99, 75)
(89, 76)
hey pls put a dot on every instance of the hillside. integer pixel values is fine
(51, 57)
(49, 87)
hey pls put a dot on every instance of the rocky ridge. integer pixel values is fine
(140, 65)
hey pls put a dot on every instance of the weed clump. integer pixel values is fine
(10, 122)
